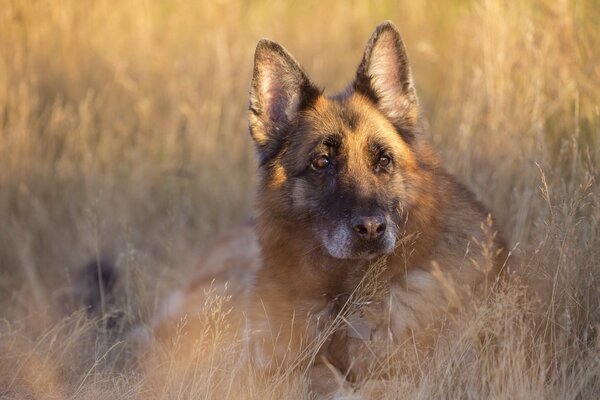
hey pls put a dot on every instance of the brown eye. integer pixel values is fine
(384, 161)
(320, 163)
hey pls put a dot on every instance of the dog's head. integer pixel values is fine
(338, 168)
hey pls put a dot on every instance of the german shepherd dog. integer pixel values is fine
(361, 238)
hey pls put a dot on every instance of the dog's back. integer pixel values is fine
(225, 272)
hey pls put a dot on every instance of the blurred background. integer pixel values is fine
(123, 131)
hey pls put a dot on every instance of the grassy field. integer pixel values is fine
(123, 134)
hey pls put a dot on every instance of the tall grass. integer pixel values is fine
(123, 132)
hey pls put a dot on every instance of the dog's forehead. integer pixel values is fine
(353, 119)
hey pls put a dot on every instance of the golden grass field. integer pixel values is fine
(123, 134)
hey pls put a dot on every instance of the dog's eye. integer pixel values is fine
(320, 163)
(384, 161)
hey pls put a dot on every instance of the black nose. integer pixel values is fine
(369, 228)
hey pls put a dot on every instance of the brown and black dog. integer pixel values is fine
(361, 238)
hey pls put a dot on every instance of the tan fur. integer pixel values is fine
(226, 270)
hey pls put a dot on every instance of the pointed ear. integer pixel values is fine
(279, 90)
(385, 77)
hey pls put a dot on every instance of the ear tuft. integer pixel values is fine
(279, 90)
(384, 76)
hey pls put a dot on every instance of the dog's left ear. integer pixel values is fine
(385, 77)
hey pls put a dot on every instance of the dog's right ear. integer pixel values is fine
(279, 90)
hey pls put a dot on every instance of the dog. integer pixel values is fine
(361, 238)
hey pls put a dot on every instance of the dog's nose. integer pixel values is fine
(369, 228)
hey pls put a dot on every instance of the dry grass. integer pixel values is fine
(123, 132)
